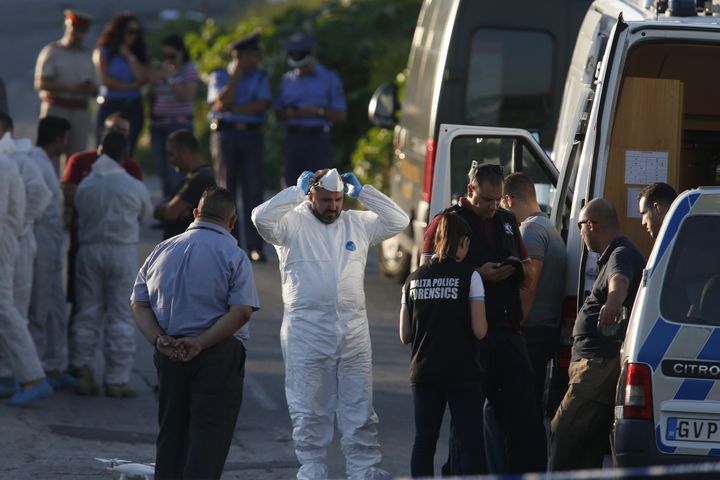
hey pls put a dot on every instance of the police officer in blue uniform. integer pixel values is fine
(239, 97)
(309, 102)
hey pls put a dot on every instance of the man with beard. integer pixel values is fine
(325, 338)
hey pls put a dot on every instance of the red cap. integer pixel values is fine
(78, 19)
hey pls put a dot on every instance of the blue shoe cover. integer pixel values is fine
(25, 397)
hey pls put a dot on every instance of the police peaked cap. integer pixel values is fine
(299, 42)
(249, 43)
(78, 18)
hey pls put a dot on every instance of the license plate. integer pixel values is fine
(693, 429)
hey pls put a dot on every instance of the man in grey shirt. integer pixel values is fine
(542, 298)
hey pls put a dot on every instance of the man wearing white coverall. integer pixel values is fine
(48, 313)
(110, 205)
(25, 204)
(324, 336)
(38, 197)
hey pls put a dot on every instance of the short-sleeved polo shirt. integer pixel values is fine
(321, 88)
(192, 279)
(252, 86)
(620, 257)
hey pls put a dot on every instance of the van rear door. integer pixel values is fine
(515, 150)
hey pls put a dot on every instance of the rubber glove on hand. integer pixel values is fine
(352, 185)
(304, 180)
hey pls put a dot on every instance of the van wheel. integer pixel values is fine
(394, 260)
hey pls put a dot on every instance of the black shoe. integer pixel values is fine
(257, 256)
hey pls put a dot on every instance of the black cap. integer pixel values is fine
(249, 43)
(299, 43)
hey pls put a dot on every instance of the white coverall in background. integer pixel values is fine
(38, 196)
(18, 350)
(325, 337)
(48, 313)
(110, 205)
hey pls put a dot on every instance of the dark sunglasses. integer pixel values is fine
(170, 56)
(132, 31)
(581, 222)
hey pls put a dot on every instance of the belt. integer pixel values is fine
(66, 102)
(306, 130)
(225, 125)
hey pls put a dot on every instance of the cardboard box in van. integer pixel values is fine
(478, 62)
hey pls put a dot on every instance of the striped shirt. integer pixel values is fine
(166, 103)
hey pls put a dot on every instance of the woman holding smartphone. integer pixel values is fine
(172, 88)
(442, 316)
(121, 60)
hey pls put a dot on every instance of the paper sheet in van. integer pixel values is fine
(643, 168)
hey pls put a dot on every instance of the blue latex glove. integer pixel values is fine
(352, 185)
(304, 180)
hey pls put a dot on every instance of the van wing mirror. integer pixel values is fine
(384, 106)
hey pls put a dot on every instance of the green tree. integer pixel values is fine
(365, 41)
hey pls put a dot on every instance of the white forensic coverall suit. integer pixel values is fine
(48, 313)
(325, 337)
(110, 205)
(38, 197)
(19, 357)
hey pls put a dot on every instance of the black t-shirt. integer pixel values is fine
(437, 297)
(620, 257)
(190, 192)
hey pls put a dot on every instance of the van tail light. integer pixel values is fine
(637, 397)
(430, 150)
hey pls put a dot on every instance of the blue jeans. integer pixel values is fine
(132, 110)
(170, 177)
(465, 402)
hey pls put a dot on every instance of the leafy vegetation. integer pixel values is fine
(365, 41)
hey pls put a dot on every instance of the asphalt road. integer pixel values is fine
(59, 437)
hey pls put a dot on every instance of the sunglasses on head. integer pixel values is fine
(479, 170)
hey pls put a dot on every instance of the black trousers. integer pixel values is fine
(463, 400)
(198, 407)
(518, 442)
(542, 345)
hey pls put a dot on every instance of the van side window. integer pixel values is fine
(543, 180)
(511, 153)
(691, 288)
(509, 81)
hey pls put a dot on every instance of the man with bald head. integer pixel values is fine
(582, 423)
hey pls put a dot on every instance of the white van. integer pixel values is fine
(471, 61)
(641, 104)
(668, 397)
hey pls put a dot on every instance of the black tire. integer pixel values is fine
(394, 261)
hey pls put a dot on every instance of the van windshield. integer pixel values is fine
(691, 288)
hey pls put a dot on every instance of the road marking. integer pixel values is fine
(262, 397)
